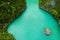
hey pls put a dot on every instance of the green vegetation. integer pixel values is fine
(9, 10)
(6, 36)
(52, 6)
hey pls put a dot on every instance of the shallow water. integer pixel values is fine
(30, 25)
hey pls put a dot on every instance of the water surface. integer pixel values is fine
(30, 25)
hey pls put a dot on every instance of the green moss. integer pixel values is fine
(9, 10)
(52, 6)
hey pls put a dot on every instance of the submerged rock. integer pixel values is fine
(47, 31)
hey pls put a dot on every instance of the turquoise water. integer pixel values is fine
(30, 25)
